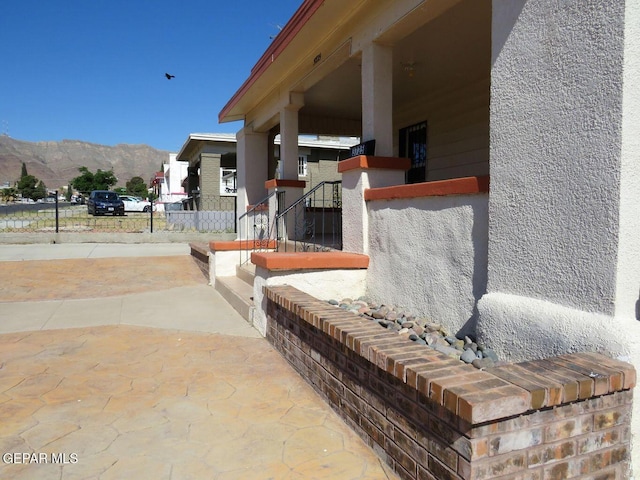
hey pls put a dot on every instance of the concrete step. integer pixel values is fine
(239, 294)
(246, 272)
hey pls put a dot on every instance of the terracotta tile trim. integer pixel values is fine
(225, 246)
(309, 260)
(440, 188)
(475, 396)
(280, 182)
(366, 162)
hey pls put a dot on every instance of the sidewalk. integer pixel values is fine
(136, 368)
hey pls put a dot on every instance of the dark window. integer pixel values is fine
(413, 145)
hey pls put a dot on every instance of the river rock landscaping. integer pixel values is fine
(421, 331)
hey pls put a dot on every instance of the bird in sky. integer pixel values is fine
(169, 77)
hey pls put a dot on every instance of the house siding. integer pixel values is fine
(457, 129)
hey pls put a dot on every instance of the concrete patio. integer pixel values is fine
(154, 378)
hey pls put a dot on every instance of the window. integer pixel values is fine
(413, 144)
(228, 182)
(302, 166)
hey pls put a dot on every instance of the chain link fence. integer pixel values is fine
(212, 214)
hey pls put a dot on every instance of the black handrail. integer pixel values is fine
(314, 221)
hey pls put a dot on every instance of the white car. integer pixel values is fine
(135, 204)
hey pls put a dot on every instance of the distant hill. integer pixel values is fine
(56, 163)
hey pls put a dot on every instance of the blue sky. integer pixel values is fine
(93, 70)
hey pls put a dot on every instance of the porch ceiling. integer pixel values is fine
(448, 52)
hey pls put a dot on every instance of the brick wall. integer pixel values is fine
(431, 417)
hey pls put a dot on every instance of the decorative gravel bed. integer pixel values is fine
(421, 331)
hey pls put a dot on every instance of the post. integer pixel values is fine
(57, 213)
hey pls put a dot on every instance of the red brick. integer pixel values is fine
(426, 376)
(599, 375)
(546, 454)
(568, 428)
(599, 440)
(569, 391)
(604, 420)
(439, 385)
(452, 394)
(585, 383)
(628, 371)
(405, 370)
(510, 464)
(494, 404)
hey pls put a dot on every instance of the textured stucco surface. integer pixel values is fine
(429, 255)
(322, 284)
(355, 220)
(564, 249)
(556, 98)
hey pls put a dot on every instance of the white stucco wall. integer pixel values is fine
(223, 264)
(564, 252)
(355, 221)
(322, 284)
(429, 255)
(556, 98)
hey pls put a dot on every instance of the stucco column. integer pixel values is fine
(358, 174)
(564, 247)
(252, 162)
(377, 97)
(286, 193)
(289, 136)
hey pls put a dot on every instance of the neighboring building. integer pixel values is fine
(174, 174)
(541, 96)
(210, 159)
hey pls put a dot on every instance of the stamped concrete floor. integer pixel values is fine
(127, 399)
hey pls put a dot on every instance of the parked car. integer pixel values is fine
(135, 204)
(102, 202)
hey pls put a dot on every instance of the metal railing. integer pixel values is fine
(256, 225)
(214, 214)
(313, 222)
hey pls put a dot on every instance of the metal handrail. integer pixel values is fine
(261, 239)
(313, 227)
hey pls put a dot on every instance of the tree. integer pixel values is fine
(30, 187)
(137, 187)
(24, 171)
(104, 180)
(88, 181)
(9, 194)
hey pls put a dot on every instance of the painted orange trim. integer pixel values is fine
(227, 246)
(456, 186)
(280, 182)
(309, 260)
(364, 161)
(279, 44)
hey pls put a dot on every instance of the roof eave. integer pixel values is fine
(229, 112)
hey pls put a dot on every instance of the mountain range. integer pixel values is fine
(56, 163)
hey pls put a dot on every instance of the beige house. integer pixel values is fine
(211, 159)
(538, 98)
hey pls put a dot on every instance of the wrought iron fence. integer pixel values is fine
(198, 214)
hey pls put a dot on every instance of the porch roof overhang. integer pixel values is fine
(195, 142)
(318, 54)
(277, 54)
